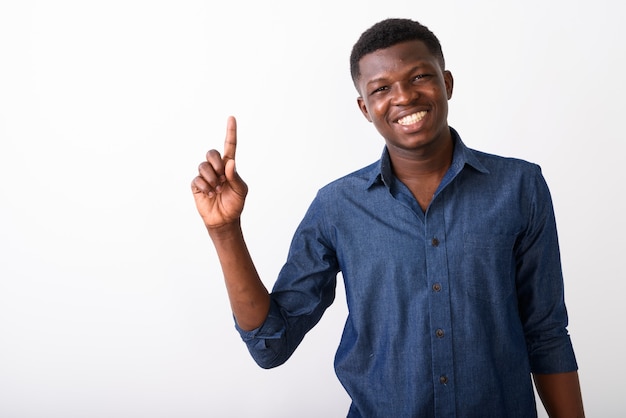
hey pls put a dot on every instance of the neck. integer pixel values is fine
(423, 163)
(422, 171)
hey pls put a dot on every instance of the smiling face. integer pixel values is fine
(404, 93)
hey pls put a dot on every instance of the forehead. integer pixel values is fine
(395, 58)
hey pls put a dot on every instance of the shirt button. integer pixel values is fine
(435, 242)
(439, 333)
(437, 287)
(443, 379)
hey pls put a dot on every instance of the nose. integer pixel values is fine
(404, 94)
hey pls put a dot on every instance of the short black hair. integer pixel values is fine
(390, 32)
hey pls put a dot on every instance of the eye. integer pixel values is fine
(380, 89)
(420, 77)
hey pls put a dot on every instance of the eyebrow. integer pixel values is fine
(383, 79)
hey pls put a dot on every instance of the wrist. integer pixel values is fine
(225, 231)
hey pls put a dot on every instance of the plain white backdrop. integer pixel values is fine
(111, 298)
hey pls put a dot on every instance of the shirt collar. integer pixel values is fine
(462, 155)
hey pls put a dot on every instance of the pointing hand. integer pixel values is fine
(218, 190)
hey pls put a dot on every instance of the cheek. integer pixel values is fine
(443, 92)
(446, 93)
(437, 94)
(377, 110)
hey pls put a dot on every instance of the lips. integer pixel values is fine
(412, 118)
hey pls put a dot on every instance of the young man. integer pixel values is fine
(449, 257)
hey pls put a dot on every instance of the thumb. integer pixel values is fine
(233, 177)
(230, 170)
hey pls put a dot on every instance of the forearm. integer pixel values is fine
(249, 298)
(560, 394)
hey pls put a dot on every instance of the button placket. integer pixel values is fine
(440, 310)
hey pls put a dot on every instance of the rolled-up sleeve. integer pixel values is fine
(540, 286)
(303, 291)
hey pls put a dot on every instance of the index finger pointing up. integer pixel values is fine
(230, 144)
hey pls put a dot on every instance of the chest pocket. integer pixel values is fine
(488, 266)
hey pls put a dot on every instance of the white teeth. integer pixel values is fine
(414, 118)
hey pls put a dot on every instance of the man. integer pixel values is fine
(449, 257)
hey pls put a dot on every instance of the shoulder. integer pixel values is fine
(505, 170)
(492, 165)
(353, 182)
(515, 177)
(498, 163)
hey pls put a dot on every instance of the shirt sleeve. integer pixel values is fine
(540, 285)
(303, 291)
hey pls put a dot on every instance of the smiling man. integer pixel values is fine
(449, 257)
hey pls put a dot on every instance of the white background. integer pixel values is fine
(111, 298)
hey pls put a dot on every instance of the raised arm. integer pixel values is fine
(220, 193)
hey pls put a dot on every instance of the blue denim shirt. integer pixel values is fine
(450, 310)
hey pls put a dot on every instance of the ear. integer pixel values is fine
(449, 81)
(363, 107)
